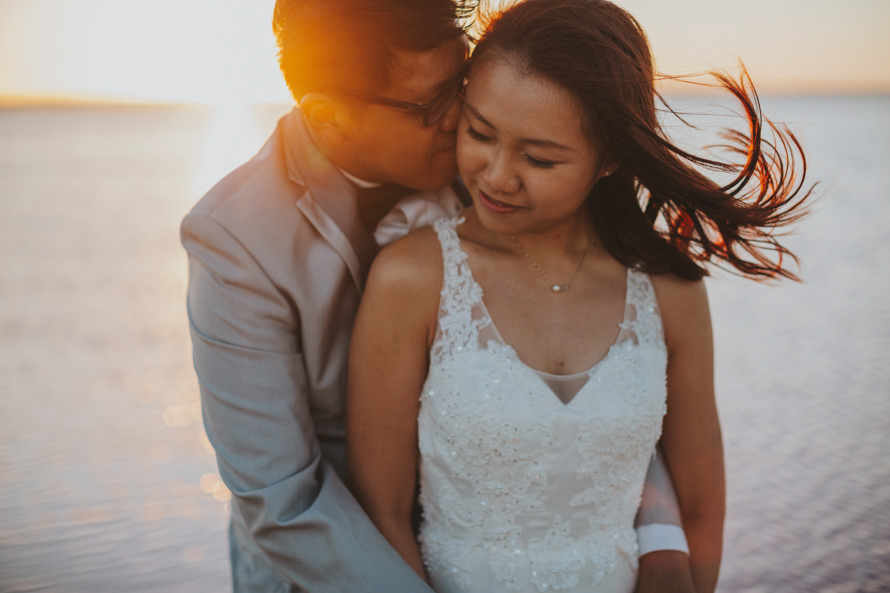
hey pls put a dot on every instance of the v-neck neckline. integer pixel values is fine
(543, 375)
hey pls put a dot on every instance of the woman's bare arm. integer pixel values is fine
(691, 438)
(387, 366)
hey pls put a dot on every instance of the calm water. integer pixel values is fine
(106, 479)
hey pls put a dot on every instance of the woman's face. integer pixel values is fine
(521, 150)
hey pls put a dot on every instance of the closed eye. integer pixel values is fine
(538, 163)
(476, 135)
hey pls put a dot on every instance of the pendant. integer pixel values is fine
(558, 288)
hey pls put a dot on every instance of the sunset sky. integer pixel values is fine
(220, 51)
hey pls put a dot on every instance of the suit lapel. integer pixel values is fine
(330, 202)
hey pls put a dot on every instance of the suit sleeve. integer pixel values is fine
(256, 414)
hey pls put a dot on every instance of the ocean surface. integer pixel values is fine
(108, 484)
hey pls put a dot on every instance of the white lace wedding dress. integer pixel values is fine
(522, 492)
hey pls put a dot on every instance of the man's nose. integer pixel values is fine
(448, 123)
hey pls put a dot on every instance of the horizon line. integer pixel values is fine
(14, 100)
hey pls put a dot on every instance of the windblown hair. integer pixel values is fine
(324, 44)
(657, 211)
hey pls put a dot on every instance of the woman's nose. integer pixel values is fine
(500, 175)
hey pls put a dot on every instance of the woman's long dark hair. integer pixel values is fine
(657, 211)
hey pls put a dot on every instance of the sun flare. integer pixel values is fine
(231, 140)
(202, 51)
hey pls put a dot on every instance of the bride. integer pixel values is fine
(521, 361)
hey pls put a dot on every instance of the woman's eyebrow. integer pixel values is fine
(546, 144)
(533, 141)
(478, 115)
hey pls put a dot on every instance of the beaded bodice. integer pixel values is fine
(522, 492)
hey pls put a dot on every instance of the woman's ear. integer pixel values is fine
(324, 117)
(607, 170)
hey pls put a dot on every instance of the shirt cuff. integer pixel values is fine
(656, 537)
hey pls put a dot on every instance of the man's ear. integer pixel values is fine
(325, 118)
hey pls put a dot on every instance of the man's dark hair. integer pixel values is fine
(326, 44)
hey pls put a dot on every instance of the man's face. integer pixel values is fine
(391, 145)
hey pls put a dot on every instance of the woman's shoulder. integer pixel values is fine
(683, 305)
(404, 284)
(673, 287)
(411, 262)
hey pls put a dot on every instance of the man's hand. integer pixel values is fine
(664, 571)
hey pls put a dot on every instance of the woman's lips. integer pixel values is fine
(495, 206)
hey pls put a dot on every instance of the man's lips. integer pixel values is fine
(494, 205)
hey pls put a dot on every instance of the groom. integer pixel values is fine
(278, 253)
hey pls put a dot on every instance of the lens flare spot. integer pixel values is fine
(209, 482)
(221, 493)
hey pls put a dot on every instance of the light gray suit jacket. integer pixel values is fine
(277, 262)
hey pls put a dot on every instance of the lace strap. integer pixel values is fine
(452, 255)
(457, 329)
(646, 322)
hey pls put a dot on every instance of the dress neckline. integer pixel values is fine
(549, 379)
(619, 339)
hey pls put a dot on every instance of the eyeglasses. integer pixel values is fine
(432, 111)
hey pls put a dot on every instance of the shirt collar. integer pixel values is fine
(331, 192)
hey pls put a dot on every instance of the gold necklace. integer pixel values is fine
(554, 287)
